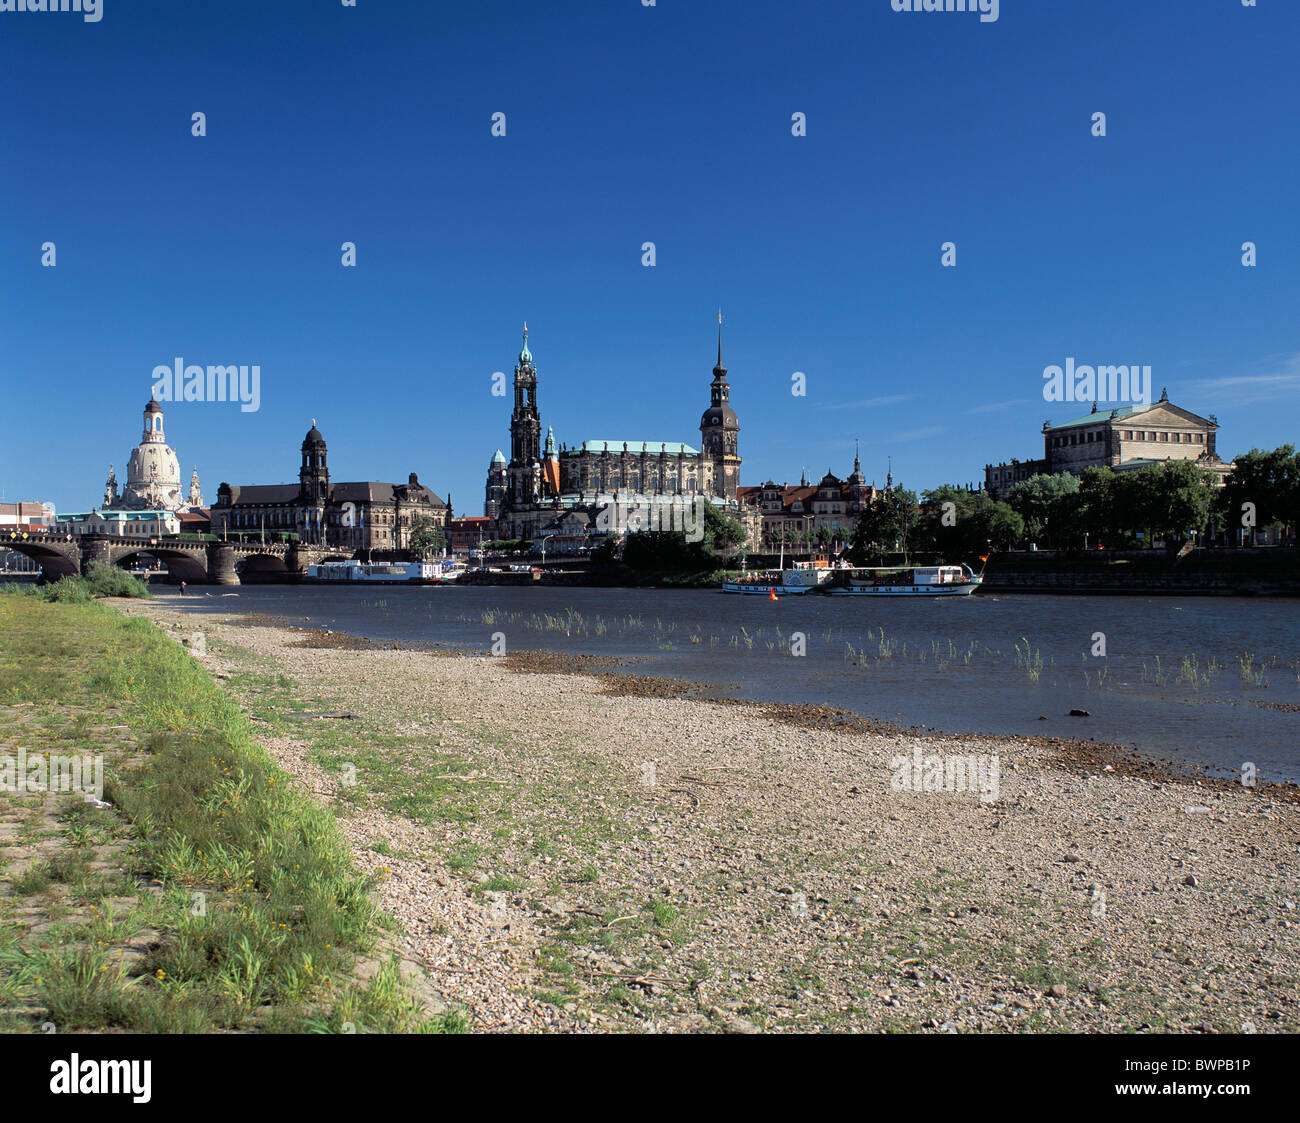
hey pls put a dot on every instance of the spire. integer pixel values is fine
(525, 355)
(719, 370)
(550, 442)
(857, 464)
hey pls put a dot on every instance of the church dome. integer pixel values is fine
(313, 439)
(153, 478)
(153, 406)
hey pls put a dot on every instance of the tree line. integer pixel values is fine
(1170, 502)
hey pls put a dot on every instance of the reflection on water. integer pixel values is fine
(1192, 679)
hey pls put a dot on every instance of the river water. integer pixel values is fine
(1191, 679)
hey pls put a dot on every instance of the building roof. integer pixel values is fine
(263, 495)
(653, 448)
(1101, 415)
(1097, 418)
(363, 491)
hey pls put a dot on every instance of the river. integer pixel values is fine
(1193, 679)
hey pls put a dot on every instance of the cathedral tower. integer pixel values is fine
(720, 431)
(525, 432)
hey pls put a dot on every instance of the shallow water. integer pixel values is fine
(961, 664)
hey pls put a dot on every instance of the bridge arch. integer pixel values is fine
(182, 565)
(55, 561)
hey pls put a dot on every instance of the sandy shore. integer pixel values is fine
(562, 857)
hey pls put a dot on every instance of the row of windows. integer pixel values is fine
(1094, 435)
(1172, 438)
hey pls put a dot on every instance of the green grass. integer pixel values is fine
(262, 913)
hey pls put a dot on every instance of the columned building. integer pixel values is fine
(1122, 439)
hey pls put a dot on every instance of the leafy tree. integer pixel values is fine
(425, 535)
(1270, 483)
(1050, 505)
(960, 524)
(1178, 495)
(721, 537)
(885, 525)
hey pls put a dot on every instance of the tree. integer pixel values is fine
(1179, 494)
(425, 535)
(959, 524)
(1050, 505)
(1262, 490)
(885, 525)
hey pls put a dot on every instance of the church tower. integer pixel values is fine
(720, 431)
(498, 483)
(314, 475)
(525, 433)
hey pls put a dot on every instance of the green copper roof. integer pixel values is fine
(1100, 417)
(653, 448)
(525, 355)
(498, 457)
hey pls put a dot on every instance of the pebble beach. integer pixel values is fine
(567, 849)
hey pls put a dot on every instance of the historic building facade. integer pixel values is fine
(588, 488)
(828, 509)
(352, 516)
(1120, 439)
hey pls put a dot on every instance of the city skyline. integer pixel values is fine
(823, 250)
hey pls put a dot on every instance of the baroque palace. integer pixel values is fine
(569, 492)
(352, 516)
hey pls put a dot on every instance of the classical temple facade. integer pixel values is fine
(582, 490)
(1121, 439)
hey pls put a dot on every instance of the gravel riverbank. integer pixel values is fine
(567, 853)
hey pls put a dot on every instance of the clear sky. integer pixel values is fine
(628, 124)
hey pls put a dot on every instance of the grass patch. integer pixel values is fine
(263, 913)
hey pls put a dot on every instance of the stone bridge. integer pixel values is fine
(195, 562)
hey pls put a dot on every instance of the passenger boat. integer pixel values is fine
(780, 583)
(385, 573)
(914, 581)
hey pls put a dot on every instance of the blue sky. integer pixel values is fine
(627, 124)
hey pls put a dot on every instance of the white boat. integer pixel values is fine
(917, 581)
(795, 582)
(385, 573)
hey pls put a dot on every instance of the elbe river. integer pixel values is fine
(1211, 681)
